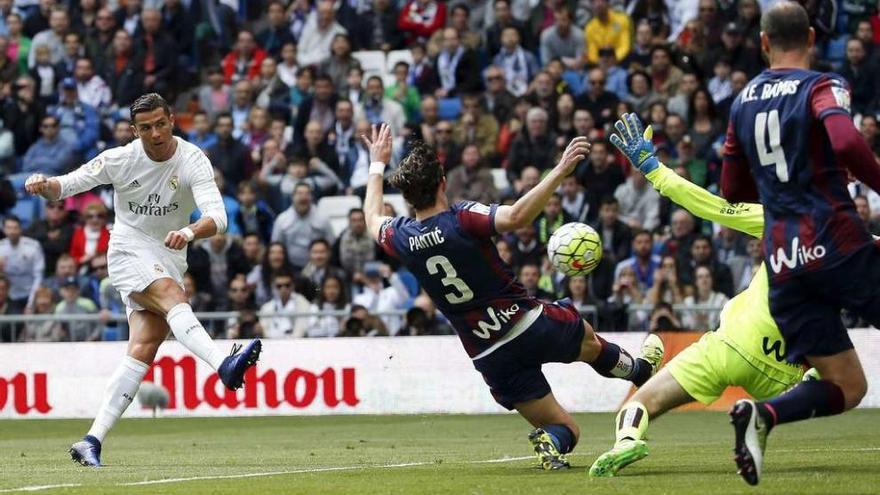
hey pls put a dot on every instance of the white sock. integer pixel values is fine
(124, 384)
(189, 332)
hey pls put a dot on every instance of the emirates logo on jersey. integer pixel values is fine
(152, 208)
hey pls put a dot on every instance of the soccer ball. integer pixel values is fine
(575, 249)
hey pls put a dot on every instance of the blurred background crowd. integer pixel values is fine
(277, 92)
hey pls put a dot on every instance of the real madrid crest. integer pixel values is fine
(173, 183)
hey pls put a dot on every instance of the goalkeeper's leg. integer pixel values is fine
(658, 395)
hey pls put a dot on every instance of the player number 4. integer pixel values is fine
(767, 129)
(450, 279)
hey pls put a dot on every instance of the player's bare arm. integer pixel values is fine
(379, 144)
(528, 207)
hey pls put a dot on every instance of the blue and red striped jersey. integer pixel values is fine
(453, 257)
(776, 129)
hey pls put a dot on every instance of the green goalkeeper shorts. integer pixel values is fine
(707, 367)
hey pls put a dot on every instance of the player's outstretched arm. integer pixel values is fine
(85, 178)
(40, 185)
(379, 144)
(528, 207)
(636, 145)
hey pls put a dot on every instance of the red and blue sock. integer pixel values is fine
(614, 362)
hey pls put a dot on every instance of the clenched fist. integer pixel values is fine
(177, 239)
(38, 184)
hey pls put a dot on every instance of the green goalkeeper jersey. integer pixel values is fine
(746, 324)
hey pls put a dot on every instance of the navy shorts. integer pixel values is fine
(513, 371)
(807, 307)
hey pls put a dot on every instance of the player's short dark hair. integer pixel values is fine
(787, 26)
(148, 103)
(418, 176)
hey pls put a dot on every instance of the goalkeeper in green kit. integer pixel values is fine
(746, 350)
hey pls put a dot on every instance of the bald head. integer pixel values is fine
(786, 26)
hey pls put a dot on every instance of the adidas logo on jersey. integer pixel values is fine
(134, 184)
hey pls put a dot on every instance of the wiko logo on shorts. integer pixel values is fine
(497, 319)
(800, 255)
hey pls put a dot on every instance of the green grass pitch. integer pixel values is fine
(690, 454)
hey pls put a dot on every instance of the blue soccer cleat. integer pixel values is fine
(232, 369)
(86, 452)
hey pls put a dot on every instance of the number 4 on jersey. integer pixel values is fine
(767, 128)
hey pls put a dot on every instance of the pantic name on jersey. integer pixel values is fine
(496, 319)
(431, 239)
(781, 88)
(152, 208)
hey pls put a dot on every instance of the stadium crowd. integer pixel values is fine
(277, 92)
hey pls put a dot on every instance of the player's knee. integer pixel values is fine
(144, 351)
(854, 391)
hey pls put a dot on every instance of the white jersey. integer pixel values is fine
(151, 198)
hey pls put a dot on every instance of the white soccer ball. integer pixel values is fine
(575, 249)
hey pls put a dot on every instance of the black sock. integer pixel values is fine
(806, 400)
(563, 437)
(615, 362)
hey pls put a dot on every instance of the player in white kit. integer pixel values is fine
(158, 181)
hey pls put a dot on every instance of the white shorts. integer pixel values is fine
(134, 268)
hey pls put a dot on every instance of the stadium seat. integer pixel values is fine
(409, 280)
(372, 62)
(499, 177)
(449, 108)
(575, 81)
(398, 203)
(336, 208)
(27, 208)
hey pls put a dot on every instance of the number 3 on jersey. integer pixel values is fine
(767, 129)
(450, 279)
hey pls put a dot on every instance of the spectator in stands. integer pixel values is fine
(476, 127)
(354, 247)
(666, 287)
(73, 304)
(91, 88)
(641, 96)
(229, 202)
(701, 255)
(19, 44)
(472, 180)
(256, 131)
(429, 110)
(343, 139)
(499, 100)
(562, 42)
(299, 225)
(665, 76)
(288, 67)
(362, 324)
(616, 236)
(529, 274)
(64, 267)
(379, 28)
(543, 94)
(355, 85)
(679, 103)
(704, 126)
(379, 298)
(720, 86)
(756, 259)
(317, 35)
(159, 53)
(625, 291)
(340, 62)
(331, 297)
(319, 265)
(8, 66)
(423, 319)
(704, 294)
(80, 124)
(229, 155)
(869, 129)
(574, 200)
(519, 65)
(597, 100)
(95, 272)
(448, 152)
(226, 261)
(45, 74)
(319, 155)
(215, 96)
(318, 108)
(419, 19)
(50, 155)
(91, 238)
(504, 19)
(734, 49)
(240, 109)
(275, 260)
(640, 53)
(22, 113)
(52, 233)
(285, 300)
(277, 32)
(679, 244)
(240, 298)
(457, 67)
(663, 319)
(73, 49)
(459, 19)
(534, 146)
(599, 177)
(607, 29)
(201, 134)
(46, 330)
(377, 108)
(403, 93)
(51, 37)
(254, 216)
(860, 73)
(122, 134)
(23, 264)
(99, 40)
(643, 262)
(639, 202)
(863, 208)
(124, 70)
